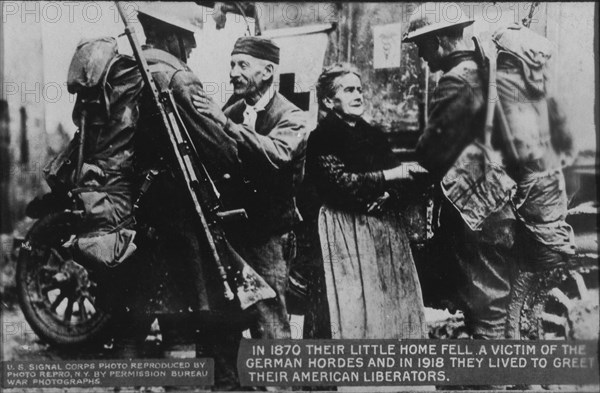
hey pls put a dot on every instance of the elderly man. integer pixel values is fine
(269, 134)
(260, 142)
(486, 255)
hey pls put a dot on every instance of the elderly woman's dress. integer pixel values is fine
(373, 289)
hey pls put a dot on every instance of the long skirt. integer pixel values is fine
(373, 289)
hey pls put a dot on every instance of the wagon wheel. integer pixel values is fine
(552, 305)
(56, 294)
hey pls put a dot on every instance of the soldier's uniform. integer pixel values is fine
(171, 274)
(536, 124)
(487, 257)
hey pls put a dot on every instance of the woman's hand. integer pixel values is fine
(403, 171)
(209, 107)
(379, 202)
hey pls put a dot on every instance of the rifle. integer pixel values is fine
(489, 65)
(250, 286)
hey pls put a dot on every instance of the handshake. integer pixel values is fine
(406, 170)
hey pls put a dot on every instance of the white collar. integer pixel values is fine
(263, 101)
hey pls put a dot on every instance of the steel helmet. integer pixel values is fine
(184, 15)
(432, 17)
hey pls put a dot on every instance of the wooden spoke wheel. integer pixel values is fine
(57, 295)
(558, 305)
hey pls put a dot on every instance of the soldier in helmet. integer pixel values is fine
(456, 118)
(528, 232)
(170, 275)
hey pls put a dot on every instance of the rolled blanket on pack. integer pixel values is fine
(107, 250)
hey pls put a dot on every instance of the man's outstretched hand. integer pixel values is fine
(206, 105)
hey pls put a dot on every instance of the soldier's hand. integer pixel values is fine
(209, 107)
(406, 170)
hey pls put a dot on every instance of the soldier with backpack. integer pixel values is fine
(540, 144)
(489, 192)
(141, 237)
(166, 276)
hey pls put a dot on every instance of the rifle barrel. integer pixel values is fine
(198, 183)
(170, 123)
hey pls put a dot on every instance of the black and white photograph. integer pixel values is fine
(299, 196)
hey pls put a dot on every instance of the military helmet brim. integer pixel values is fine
(166, 19)
(426, 30)
(186, 16)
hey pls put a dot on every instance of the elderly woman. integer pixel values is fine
(372, 286)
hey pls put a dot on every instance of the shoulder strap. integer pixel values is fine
(505, 130)
(496, 106)
(492, 94)
(104, 82)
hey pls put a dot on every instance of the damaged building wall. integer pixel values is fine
(395, 96)
(392, 94)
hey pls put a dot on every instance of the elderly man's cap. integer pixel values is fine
(261, 48)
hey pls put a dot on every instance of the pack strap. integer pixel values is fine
(80, 190)
(493, 107)
(130, 219)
